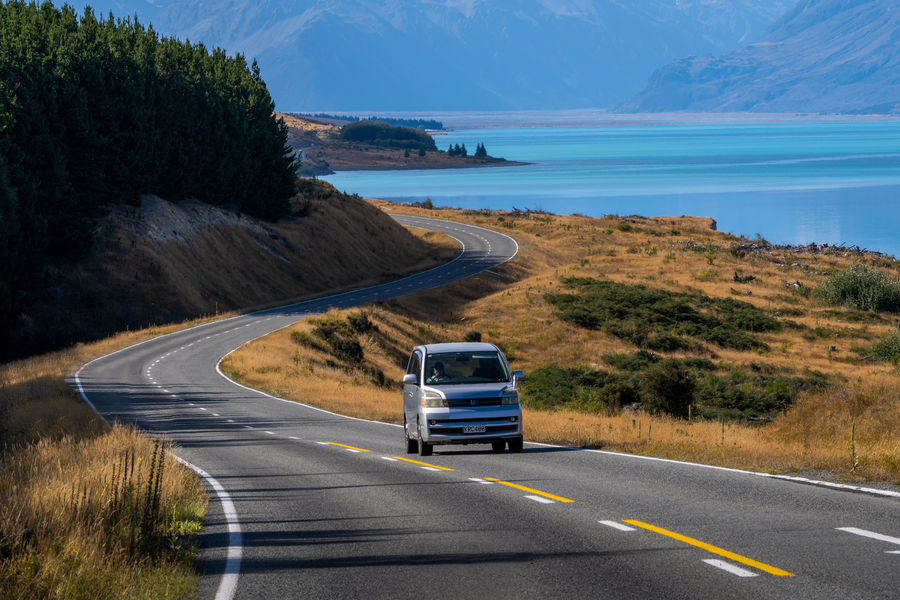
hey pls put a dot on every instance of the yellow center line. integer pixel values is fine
(528, 489)
(710, 548)
(346, 446)
(415, 462)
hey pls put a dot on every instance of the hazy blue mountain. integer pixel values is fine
(822, 56)
(344, 55)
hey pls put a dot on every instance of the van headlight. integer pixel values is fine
(510, 397)
(433, 400)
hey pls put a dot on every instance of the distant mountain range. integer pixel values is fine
(822, 56)
(355, 55)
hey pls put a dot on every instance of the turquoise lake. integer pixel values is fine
(793, 183)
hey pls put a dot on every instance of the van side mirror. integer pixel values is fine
(518, 375)
(410, 378)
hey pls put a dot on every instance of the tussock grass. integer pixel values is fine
(102, 517)
(816, 353)
(74, 521)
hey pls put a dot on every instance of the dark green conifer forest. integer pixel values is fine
(95, 111)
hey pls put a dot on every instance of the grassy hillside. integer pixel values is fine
(76, 517)
(652, 335)
(164, 262)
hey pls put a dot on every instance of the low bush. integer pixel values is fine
(668, 386)
(888, 348)
(862, 287)
(472, 336)
(661, 320)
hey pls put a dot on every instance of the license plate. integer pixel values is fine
(473, 428)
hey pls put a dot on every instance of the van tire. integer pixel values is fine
(424, 447)
(498, 446)
(515, 445)
(412, 446)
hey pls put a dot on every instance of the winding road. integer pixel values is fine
(312, 504)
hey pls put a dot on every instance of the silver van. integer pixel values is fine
(460, 393)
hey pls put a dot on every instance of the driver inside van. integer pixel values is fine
(437, 373)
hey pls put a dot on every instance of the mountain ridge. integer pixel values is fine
(829, 56)
(350, 55)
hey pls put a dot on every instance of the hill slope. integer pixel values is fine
(164, 262)
(823, 56)
(505, 54)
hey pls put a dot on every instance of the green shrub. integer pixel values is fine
(667, 386)
(888, 348)
(359, 322)
(631, 362)
(669, 389)
(472, 336)
(862, 287)
(658, 319)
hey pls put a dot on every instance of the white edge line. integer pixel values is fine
(728, 567)
(830, 484)
(870, 534)
(617, 525)
(228, 583)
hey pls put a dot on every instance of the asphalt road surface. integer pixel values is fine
(311, 504)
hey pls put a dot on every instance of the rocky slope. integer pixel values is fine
(823, 56)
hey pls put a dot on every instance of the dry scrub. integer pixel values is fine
(104, 517)
(73, 522)
(848, 429)
(80, 514)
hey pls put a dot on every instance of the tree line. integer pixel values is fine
(379, 133)
(414, 123)
(457, 150)
(96, 111)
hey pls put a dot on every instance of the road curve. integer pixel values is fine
(316, 505)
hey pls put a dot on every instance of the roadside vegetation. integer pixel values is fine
(92, 512)
(88, 511)
(659, 336)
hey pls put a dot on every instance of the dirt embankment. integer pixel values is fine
(167, 261)
(321, 152)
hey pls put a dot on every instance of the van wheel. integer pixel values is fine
(498, 446)
(412, 446)
(516, 445)
(424, 447)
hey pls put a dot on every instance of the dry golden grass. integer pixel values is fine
(72, 525)
(57, 480)
(54, 448)
(850, 429)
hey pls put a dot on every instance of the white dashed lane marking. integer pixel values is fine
(730, 568)
(873, 535)
(540, 499)
(616, 525)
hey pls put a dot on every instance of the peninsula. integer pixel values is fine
(321, 150)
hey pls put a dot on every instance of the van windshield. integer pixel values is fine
(449, 368)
